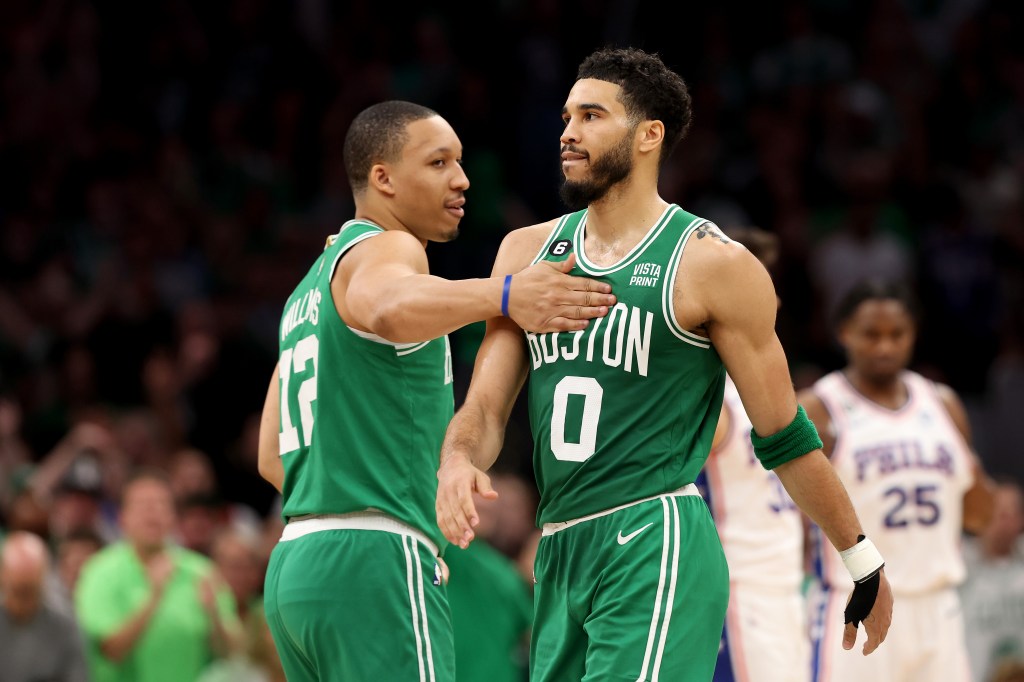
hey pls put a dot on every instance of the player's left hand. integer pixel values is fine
(457, 481)
(877, 622)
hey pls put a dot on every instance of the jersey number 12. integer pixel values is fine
(294, 360)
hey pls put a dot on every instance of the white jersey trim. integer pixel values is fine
(550, 238)
(668, 287)
(344, 250)
(400, 348)
(592, 268)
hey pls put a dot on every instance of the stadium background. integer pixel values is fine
(168, 170)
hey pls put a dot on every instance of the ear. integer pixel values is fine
(843, 335)
(380, 179)
(650, 135)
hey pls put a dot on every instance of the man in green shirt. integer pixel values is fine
(152, 611)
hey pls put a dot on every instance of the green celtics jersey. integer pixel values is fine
(626, 408)
(362, 419)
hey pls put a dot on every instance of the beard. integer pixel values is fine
(606, 172)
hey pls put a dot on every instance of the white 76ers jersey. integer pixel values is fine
(760, 526)
(906, 471)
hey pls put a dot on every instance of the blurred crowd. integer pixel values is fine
(168, 168)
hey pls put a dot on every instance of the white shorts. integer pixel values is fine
(766, 637)
(925, 642)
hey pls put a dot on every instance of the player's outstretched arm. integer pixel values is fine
(741, 324)
(269, 457)
(383, 287)
(477, 431)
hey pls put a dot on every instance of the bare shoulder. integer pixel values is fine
(719, 278)
(711, 257)
(520, 246)
(955, 407)
(394, 251)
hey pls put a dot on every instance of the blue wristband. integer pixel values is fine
(504, 295)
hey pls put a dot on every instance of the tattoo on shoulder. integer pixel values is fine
(711, 230)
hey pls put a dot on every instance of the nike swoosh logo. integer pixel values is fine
(623, 539)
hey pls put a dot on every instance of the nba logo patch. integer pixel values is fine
(437, 574)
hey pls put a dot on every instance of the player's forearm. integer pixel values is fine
(813, 485)
(477, 431)
(475, 435)
(423, 307)
(268, 460)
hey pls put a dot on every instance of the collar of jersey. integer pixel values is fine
(590, 268)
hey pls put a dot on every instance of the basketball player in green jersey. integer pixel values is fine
(359, 401)
(631, 582)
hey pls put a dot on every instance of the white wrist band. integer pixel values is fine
(862, 560)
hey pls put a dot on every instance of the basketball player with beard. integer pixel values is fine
(631, 580)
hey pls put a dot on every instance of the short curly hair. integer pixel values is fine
(877, 289)
(378, 133)
(650, 90)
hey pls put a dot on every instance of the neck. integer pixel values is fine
(627, 210)
(889, 392)
(378, 214)
(387, 221)
(146, 551)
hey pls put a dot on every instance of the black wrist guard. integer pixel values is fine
(862, 599)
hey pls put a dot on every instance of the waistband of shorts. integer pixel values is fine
(298, 526)
(552, 528)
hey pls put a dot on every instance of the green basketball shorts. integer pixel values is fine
(358, 605)
(635, 593)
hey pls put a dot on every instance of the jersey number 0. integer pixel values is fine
(592, 395)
